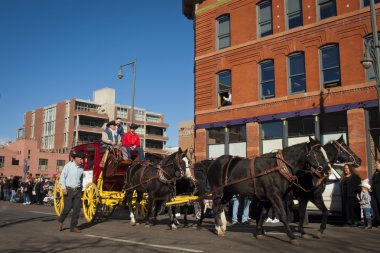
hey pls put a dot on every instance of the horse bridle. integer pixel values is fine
(342, 149)
(318, 170)
(177, 162)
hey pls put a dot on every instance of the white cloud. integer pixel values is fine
(3, 141)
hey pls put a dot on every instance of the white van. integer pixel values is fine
(332, 196)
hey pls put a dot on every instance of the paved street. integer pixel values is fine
(34, 229)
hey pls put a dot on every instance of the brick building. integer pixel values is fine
(54, 129)
(186, 134)
(293, 69)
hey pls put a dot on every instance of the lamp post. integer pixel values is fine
(120, 75)
(372, 51)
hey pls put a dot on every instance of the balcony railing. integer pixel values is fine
(156, 137)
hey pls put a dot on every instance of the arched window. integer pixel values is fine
(330, 66)
(264, 17)
(296, 73)
(326, 8)
(266, 77)
(224, 87)
(223, 39)
(293, 13)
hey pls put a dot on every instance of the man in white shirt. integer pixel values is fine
(227, 100)
(71, 182)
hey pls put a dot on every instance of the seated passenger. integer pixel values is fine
(110, 138)
(109, 135)
(131, 142)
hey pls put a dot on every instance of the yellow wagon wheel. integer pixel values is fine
(90, 200)
(58, 197)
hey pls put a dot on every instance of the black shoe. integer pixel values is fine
(246, 223)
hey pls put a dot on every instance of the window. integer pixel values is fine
(265, 26)
(267, 79)
(330, 66)
(230, 140)
(15, 161)
(333, 125)
(60, 165)
(301, 126)
(224, 85)
(294, 13)
(366, 2)
(296, 72)
(223, 32)
(327, 8)
(43, 164)
(2, 159)
(271, 136)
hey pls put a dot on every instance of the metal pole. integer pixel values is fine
(376, 48)
(133, 92)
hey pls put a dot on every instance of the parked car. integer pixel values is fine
(332, 196)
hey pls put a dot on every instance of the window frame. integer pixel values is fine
(2, 161)
(325, 85)
(322, 2)
(287, 14)
(259, 23)
(289, 76)
(267, 81)
(223, 92)
(218, 20)
(365, 6)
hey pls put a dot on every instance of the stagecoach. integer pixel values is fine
(102, 186)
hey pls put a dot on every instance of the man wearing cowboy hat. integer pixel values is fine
(131, 142)
(71, 182)
(109, 135)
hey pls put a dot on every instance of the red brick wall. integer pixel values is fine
(357, 138)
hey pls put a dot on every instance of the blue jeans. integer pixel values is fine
(235, 208)
(13, 196)
(129, 153)
(247, 203)
(367, 213)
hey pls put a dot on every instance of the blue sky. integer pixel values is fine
(54, 50)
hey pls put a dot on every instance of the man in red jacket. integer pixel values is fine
(131, 142)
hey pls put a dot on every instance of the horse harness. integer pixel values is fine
(283, 167)
(160, 175)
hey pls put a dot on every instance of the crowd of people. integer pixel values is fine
(28, 191)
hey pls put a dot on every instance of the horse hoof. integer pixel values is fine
(294, 242)
(306, 236)
(222, 233)
(147, 225)
(259, 237)
(318, 235)
(133, 223)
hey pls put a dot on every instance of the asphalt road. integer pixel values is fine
(34, 229)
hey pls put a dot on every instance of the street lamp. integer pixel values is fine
(372, 51)
(120, 76)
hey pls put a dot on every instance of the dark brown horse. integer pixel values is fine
(156, 180)
(267, 177)
(313, 182)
